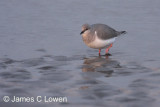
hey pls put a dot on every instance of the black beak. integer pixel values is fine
(82, 32)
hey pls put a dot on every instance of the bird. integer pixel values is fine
(99, 36)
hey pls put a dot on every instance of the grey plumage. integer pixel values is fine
(104, 31)
(93, 34)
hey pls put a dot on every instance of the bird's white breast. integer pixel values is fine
(99, 43)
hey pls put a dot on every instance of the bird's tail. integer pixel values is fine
(121, 32)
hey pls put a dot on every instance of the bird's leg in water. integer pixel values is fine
(108, 48)
(99, 52)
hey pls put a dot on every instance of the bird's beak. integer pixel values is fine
(82, 32)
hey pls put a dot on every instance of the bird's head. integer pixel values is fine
(85, 27)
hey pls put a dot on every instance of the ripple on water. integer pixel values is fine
(49, 67)
(32, 62)
(16, 75)
(7, 60)
(54, 75)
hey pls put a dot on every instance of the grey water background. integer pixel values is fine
(42, 54)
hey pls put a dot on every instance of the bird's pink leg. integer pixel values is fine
(99, 52)
(108, 48)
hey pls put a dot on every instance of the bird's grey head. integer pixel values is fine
(85, 27)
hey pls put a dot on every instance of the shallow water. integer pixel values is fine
(42, 54)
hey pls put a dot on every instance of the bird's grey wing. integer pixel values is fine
(104, 32)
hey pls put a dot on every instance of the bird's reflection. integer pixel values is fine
(101, 64)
